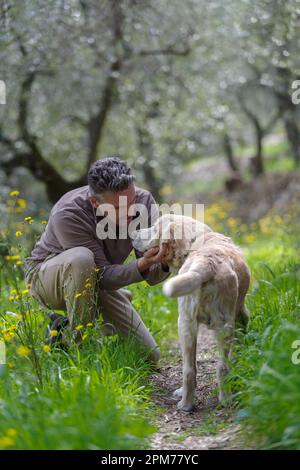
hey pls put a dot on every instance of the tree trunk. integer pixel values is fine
(293, 136)
(146, 149)
(257, 160)
(229, 153)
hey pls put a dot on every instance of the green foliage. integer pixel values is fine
(98, 395)
(264, 378)
(95, 396)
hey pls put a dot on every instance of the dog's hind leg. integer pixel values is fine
(187, 328)
(242, 318)
(225, 311)
(225, 341)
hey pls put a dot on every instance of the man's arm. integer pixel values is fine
(70, 233)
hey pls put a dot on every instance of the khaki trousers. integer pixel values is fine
(68, 281)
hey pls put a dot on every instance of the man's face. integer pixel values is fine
(121, 201)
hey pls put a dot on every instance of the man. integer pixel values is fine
(72, 269)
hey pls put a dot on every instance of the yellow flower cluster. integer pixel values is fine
(8, 333)
(14, 295)
(9, 438)
(16, 205)
(12, 257)
(23, 351)
(29, 220)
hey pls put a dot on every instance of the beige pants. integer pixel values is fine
(68, 282)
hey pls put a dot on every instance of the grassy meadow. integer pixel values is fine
(98, 395)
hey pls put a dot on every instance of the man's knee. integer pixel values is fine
(80, 266)
(82, 257)
(81, 260)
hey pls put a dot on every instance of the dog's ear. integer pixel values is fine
(184, 235)
(167, 231)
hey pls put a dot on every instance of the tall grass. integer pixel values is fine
(265, 379)
(98, 395)
(94, 396)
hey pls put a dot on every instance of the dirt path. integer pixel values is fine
(209, 426)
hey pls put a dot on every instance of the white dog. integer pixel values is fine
(211, 284)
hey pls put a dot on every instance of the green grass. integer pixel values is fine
(80, 406)
(98, 396)
(264, 379)
(210, 425)
(93, 397)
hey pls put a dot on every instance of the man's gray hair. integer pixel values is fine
(109, 174)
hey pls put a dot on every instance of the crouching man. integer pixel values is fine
(72, 269)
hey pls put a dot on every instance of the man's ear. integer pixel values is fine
(94, 201)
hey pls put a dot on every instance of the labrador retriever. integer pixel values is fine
(211, 282)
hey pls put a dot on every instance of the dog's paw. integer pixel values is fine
(187, 407)
(178, 393)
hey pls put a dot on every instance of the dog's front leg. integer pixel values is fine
(187, 328)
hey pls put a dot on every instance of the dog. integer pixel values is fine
(211, 282)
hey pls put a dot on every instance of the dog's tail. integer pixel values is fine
(186, 283)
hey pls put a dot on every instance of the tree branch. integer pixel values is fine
(165, 51)
(97, 121)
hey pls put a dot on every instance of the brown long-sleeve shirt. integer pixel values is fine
(73, 222)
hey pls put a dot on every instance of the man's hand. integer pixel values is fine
(153, 256)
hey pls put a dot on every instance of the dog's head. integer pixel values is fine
(177, 231)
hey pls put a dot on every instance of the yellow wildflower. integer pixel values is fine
(44, 222)
(6, 441)
(14, 193)
(53, 333)
(25, 291)
(8, 337)
(78, 295)
(14, 297)
(11, 432)
(12, 257)
(79, 327)
(21, 204)
(89, 324)
(19, 234)
(46, 348)
(9, 329)
(84, 336)
(18, 263)
(28, 218)
(23, 351)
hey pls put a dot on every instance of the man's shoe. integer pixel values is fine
(57, 323)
